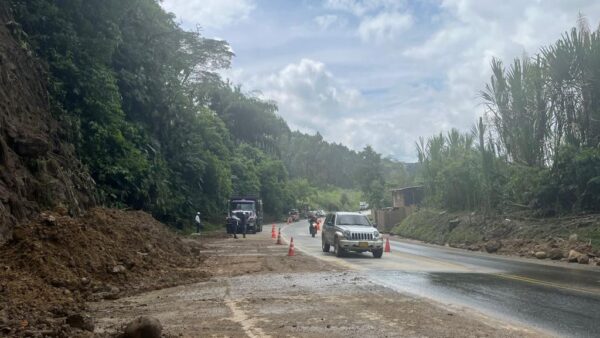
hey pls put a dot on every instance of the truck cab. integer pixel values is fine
(249, 207)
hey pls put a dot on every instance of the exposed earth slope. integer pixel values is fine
(38, 170)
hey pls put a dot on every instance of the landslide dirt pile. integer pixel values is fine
(38, 170)
(56, 263)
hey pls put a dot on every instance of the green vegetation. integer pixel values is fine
(159, 130)
(433, 226)
(539, 145)
(461, 228)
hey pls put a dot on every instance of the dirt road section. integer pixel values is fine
(258, 291)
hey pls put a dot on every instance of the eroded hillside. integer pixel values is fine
(37, 169)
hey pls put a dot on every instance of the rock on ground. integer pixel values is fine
(80, 321)
(574, 256)
(555, 254)
(493, 246)
(143, 327)
(583, 259)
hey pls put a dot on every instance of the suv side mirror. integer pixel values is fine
(374, 225)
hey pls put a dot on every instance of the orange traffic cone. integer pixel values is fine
(273, 233)
(318, 225)
(291, 251)
(279, 238)
(387, 245)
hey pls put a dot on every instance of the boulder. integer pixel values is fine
(49, 220)
(81, 321)
(574, 256)
(583, 259)
(118, 269)
(493, 246)
(143, 327)
(108, 292)
(541, 255)
(555, 254)
(573, 238)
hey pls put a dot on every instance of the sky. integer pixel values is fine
(377, 72)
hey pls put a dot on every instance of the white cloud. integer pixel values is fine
(362, 7)
(423, 77)
(384, 26)
(308, 95)
(328, 21)
(210, 13)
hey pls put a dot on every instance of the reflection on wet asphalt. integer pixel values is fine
(562, 311)
(559, 299)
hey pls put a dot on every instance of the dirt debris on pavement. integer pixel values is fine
(258, 291)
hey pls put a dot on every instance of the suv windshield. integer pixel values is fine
(242, 206)
(352, 220)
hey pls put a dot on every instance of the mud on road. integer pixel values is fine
(258, 291)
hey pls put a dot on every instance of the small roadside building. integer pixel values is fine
(405, 201)
(407, 196)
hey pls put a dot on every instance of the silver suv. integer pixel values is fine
(350, 231)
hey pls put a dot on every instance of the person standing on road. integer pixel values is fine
(242, 220)
(198, 222)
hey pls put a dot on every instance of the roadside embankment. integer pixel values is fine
(573, 238)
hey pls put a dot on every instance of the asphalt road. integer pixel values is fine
(552, 297)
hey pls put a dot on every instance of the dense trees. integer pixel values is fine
(319, 161)
(156, 126)
(541, 146)
(370, 177)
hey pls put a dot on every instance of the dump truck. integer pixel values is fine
(251, 208)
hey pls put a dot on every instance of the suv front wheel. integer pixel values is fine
(339, 251)
(378, 253)
(324, 245)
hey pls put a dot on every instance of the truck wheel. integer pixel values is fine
(378, 253)
(339, 252)
(325, 246)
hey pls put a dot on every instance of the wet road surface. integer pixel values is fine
(553, 297)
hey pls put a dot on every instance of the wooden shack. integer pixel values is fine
(407, 196)
(405, 201)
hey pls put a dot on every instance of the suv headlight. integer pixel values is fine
(376, 235)
(347, 234)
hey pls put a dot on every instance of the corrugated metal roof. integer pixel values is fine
(407, 188)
